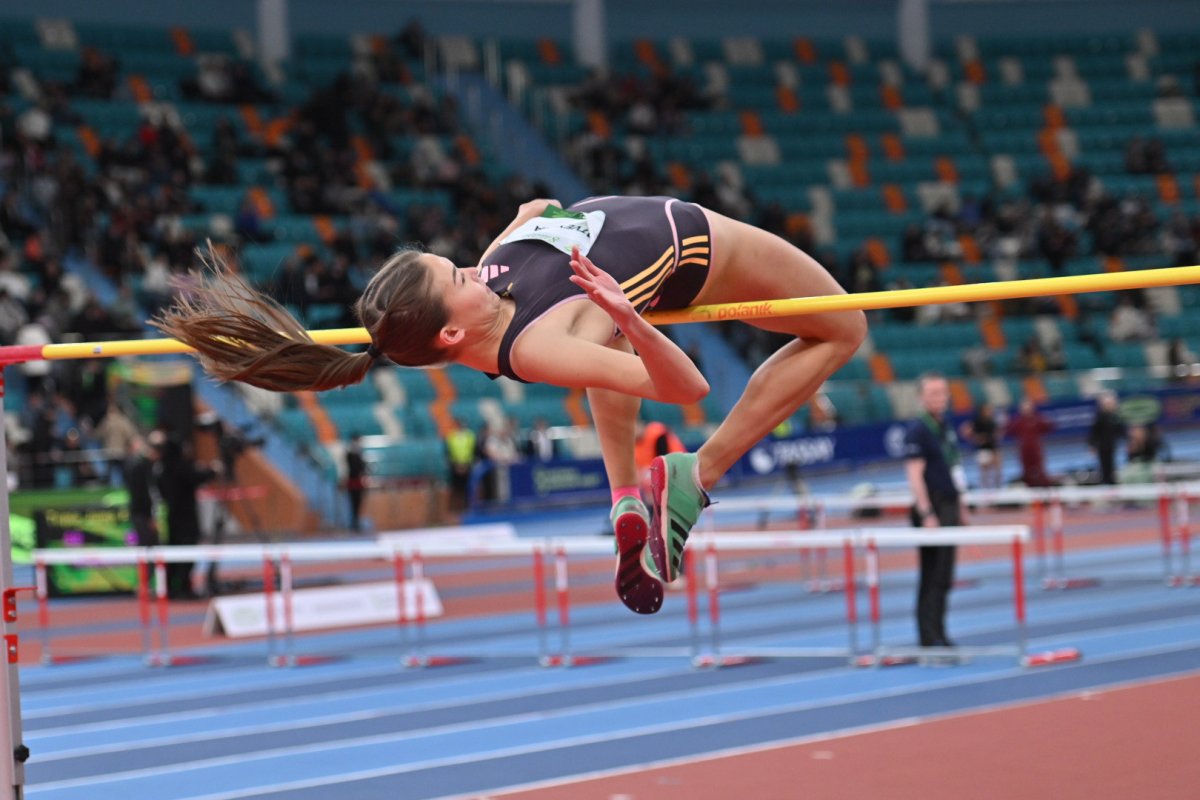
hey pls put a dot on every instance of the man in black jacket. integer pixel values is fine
(935, 477)
(1107, 430)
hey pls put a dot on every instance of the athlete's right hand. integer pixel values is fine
(601, 288)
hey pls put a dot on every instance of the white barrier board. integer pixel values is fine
(244, 615)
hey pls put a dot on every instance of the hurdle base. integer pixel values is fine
(824, 587)
(169, 660)
(300, 661)
(717, 662)
(422, 662)
(1064, 655)
(50, 661)
(559, 660)
(960, 655)
(1176, 581)
(883, 661)
(1063, 584)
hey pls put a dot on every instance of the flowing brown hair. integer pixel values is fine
(241, 334)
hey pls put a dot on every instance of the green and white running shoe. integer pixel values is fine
(637, 580)
(676, 501)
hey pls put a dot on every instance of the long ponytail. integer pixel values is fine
(241, 334)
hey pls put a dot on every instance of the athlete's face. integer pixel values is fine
(468, 300)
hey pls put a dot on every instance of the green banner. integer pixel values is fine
(97, 517)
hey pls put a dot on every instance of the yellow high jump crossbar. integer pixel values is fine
(790, 307)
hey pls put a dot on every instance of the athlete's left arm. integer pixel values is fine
(660, 370)
(526, 212)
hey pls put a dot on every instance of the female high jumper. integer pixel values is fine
(557, 298)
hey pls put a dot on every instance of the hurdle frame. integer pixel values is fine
(279, 634)
(1046, 506)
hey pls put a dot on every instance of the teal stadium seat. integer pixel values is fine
(418, 458)
(353, 419)
(666, 413)
(296, 424)
(364, 393)
(470, 383)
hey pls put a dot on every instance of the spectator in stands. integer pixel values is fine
(912, 244)
(501, 452)
(1141, 452)
(1130, 323)
(13, 316)
(1056, 244)
(461, 453)
(1135, 156)
(1180, 359)
(249, 224)
(212, 82)
(863, 272)
(941, 234)
(75, 462)
(1106, 431)
(1032, 359)
(16, 218)
(983, 431)
(97, 77)
(1179, 240)
(179, 478)
(138, 470)
(41, 448)
(1156, 157)
(935, 478)
(422, 310)
(1029, 428)
(412, 40)
(117, 434)
(539, 444)
(356, 481)
(37, 372)
(977, 361)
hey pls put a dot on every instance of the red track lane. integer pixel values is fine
(1133, 741)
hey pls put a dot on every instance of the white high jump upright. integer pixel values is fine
(12, 749)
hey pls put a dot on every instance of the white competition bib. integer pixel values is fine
(560, 229)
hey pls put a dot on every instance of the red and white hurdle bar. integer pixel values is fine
(277, 560)
(1046, 511)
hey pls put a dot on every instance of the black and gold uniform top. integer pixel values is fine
(657, 248)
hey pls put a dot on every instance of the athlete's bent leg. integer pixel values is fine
(756, 265)
(749, 265)
(615, 417)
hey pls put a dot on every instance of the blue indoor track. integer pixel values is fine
(363, 726)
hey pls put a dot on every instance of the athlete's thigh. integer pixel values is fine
(751, 264)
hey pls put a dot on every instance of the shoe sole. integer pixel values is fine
(660, 518)
(641, 593)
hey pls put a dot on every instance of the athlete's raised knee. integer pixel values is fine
(854, 330)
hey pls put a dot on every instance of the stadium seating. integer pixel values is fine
(840, 133)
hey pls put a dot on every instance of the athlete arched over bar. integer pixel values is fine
(516, 314)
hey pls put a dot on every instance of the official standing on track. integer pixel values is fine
(936, 479)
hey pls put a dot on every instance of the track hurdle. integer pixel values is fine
(710, 547)
(709, 646)
(882, 654)
(1047, 506)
